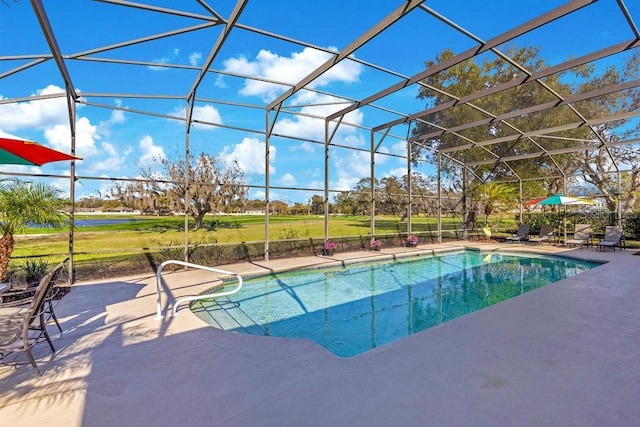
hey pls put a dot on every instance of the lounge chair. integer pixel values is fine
(22, 327)
(521, 234)
(613, 237)
(581, 236)
(487, 232)
(545, 235)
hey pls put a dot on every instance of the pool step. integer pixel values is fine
(226, 315)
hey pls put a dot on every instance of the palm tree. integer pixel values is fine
(22, 203)
(494, 195)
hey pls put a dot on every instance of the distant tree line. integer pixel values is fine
(218, 188)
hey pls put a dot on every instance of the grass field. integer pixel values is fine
(151, 232)
(140, 245)
(127, 244)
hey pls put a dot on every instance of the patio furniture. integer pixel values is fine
(21, 298)
(521, 234)
(23, 327)
(487, 232)
(581, 236)
(545, 235)
(613, 237)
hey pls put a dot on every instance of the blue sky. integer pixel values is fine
(115, 143)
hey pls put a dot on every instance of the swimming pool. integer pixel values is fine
(353, 309)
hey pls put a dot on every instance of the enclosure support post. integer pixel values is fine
(71, 104)
(619, 205)
(373, 190)
(410, 185)
(520, 198)
(326, 180)
(439, 197)
(267, 204)
(465, 211)
(187, 174)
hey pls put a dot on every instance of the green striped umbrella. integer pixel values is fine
(562, 200)
(19, 151)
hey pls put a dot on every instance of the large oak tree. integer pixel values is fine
(594, 166)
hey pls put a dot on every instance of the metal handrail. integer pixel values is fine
(192, 297)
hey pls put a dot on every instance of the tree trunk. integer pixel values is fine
(199, 218)
(6, 248)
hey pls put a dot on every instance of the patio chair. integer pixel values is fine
(581, 236)
(521, 234)
(613, 237)
(23, 327)
(20, 298)
(545, 235)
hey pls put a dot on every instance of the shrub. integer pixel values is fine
(34, 269)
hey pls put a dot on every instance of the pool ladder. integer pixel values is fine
(174, 312)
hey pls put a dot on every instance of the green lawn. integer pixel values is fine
(153, 232)
(133, 247)
(140, 246)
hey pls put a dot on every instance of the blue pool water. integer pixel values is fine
(352, 309)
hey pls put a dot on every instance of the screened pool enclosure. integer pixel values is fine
(402, 108)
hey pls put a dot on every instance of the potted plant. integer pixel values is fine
(412, 241)
(328, 247)
(375, 244)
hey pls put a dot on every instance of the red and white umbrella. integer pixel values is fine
(19, 151)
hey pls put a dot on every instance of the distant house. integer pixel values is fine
(122, 209)
(159, 212)
(88, 210)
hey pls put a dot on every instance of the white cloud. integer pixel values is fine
(397, 172)
(257, 194)
(346, 183)
(62, 184)
(205, 113)
(303, 126)
(21, 169)
(353, 167)
(117, 117)
(306, 146)
(292, 69)
(171, 56)
(288, 179)
(219, 82)
(35, 114)
(59, 137)
(380, 158)
(151, 153)
(250, 156)
(399, 148)
(356, 164)
(315, 173)
(112, 158)
(315, 184)
(194, 58)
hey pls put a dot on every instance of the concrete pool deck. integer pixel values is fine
(566, 354)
